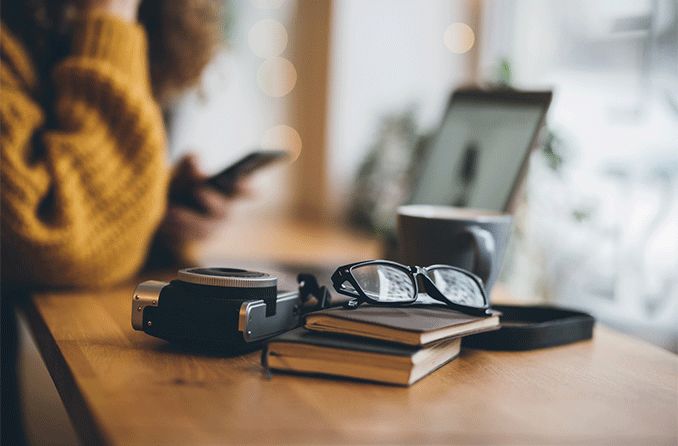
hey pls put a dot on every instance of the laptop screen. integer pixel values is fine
(477, 157)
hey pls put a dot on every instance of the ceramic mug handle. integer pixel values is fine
(483, 251)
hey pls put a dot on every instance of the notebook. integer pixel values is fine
(413, 325)
(304, 351)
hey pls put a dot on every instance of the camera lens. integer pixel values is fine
(227, 272)
(227, 277)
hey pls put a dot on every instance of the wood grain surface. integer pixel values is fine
(124, 387)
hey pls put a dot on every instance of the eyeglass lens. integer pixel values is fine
(384, 283)
(457, 287)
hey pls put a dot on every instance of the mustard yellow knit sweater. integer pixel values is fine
(81, 198)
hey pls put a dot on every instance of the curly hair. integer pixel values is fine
(183, 36)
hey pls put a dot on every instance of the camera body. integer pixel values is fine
(225, 307)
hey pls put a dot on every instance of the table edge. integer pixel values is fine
(89, 430)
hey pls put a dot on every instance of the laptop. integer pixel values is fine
(479, 155)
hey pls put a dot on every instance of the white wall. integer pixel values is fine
(385, 56)
(228, 114)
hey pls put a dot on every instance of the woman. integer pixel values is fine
(84, 181)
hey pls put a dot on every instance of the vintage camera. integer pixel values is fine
(225, 307)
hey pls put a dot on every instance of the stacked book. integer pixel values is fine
(395, 345)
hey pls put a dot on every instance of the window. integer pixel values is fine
(600, 230)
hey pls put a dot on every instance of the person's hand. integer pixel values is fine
(194, 211)
(124, 9)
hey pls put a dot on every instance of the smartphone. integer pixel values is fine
(225, 180)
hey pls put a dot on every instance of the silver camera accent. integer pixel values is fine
(254, 324)
(146, 294)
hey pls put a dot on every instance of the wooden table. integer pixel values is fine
(124, 387)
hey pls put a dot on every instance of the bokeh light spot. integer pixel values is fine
(282, 137)
(268, 4)
(276, 77)
(267, 38)
(459, 38)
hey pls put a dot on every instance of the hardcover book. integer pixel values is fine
(413, 325)
(304, 351)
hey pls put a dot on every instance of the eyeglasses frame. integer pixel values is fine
(344, 274)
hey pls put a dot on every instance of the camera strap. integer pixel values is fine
(309, 287)
(531, 327)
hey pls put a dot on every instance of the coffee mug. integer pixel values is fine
(472, 239)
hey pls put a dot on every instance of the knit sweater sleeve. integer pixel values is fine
(83, 191)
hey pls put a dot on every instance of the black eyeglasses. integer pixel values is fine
(382, 282)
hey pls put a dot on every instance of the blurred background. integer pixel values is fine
(336, 81)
